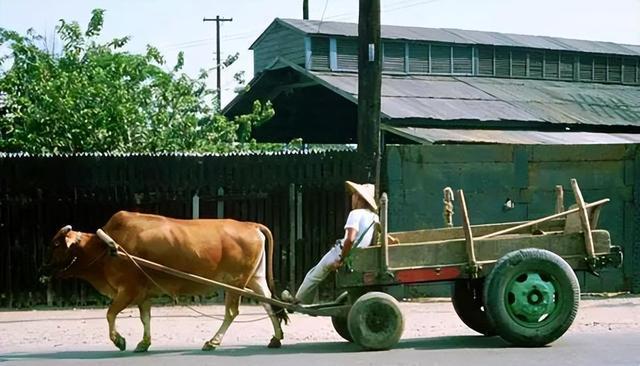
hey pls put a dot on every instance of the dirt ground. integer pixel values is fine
(181, 327)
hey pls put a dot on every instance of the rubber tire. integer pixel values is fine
(468, 302)
(341, 325)
(368, 308)
(567, 290)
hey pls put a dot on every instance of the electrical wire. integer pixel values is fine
(326, 3)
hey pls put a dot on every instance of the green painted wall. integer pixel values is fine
(490, 174)
(279, 42)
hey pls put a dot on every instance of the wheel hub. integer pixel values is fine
(531, 298)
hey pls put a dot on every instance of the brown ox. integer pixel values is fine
(228, 251)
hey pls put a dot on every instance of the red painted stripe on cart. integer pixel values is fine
(427, 274)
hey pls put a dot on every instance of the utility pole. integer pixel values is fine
(369, 85)
(305, 9)
(217, 19)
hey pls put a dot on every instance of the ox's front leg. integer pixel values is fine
(231, 303)
(259, 286)
(145, 317)
(123, 298)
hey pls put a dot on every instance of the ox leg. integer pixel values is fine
(259, 286)
(122, 299)
(231, 303)
(145, 317)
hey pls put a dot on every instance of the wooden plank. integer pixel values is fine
(538, 221)
(466, 228)
(559, 199)
(408, 237)
(453, 252)
(584, 218)
(384, 250)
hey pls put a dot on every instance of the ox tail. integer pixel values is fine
(281, 314)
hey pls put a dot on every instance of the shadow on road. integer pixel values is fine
(435, 343)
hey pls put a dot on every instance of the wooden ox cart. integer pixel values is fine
(515, 280)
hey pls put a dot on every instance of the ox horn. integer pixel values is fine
(65, 229)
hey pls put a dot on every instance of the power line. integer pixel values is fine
(326, 3)
(403, 4)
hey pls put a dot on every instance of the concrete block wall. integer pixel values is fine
(527, 175)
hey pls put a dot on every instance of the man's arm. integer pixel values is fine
(350, 238)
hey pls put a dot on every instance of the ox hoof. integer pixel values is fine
(143, 346)
(120, 342)
(209, 346)
(274, 343)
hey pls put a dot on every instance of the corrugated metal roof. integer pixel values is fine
(464, 36)
(448, 98)
(441, 136)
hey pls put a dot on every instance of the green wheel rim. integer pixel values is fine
(531, 299)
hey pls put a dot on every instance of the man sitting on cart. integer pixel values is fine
(358, 232)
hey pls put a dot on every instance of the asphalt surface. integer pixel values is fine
(606, 332)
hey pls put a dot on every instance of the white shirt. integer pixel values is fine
(361, 219)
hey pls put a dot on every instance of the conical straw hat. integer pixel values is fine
(366, 191)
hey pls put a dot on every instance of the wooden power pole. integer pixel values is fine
(217, 19)
(305, 9)
(369, 84)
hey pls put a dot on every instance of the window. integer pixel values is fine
(393, 59)
(586, 67)
(347, 53)
(615, 69)
(418, 58)
(551, 65)
(462, 60)
(320, 53)
(440, 59)
(485, 60)
(600, 68)
(566, 65)
(629, 71)
(503, 61)
(535, 64)
(518, 63)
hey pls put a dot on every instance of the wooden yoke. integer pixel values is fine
(468, 236)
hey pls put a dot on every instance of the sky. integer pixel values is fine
(173, 25)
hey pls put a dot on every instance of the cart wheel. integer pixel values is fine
(342, 327)
(375, 321)
(531, 296)
(468, 303)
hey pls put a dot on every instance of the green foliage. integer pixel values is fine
(94, 97)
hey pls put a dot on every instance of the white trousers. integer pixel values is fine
(306, 292)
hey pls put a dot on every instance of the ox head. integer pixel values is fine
(63, 253)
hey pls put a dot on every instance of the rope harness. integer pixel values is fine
(175, 299)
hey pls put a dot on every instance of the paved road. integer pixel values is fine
(573, 349)
(606, 332)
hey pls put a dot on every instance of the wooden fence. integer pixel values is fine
(299, 196)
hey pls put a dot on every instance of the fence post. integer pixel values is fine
(220, 204)
(195, 206)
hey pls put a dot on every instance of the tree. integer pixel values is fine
(95, 97)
